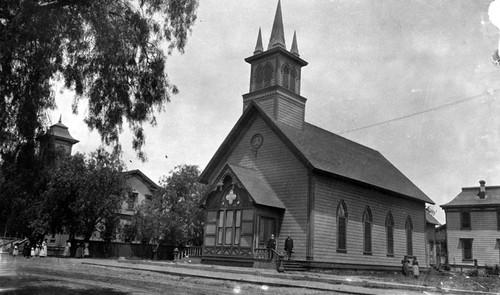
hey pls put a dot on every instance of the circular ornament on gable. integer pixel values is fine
(256, 141)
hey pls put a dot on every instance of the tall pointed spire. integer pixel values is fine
(277, 34)
(258, 47)
(295, 48)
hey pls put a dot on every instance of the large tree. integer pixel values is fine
(173, 214)
(111, 53)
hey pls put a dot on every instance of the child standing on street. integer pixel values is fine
(416, 271)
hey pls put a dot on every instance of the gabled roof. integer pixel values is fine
(327, 152)
(259, 190)
(430, 219)
(149, 183)
(257, 187)
(468, 197)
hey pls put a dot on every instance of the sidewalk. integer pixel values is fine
(270, 277)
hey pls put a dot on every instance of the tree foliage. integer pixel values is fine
(430, 209)
(84, 194)
(173, 215)
(111, 53)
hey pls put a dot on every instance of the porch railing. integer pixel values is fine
(191, 251)
(265, 254)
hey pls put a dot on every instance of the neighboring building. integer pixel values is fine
(344, 204)
(430, 234)
(441, 246)
(142, 191)
(473, 226)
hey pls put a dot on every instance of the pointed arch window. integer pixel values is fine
(367, 231)
(409, 236)
(342, 227)
(389, 234)
(268, 74)
(259, 77)
(229, 217)
(293, 76)
(286, 73)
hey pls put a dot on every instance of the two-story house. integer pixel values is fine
(473, 226)
(142, 189)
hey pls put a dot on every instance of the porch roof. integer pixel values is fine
(257, 187)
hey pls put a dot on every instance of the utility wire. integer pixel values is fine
(488, 92)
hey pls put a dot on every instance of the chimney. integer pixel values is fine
(482, 189)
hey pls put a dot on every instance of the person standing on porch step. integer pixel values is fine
(288, 247)
(271, 245)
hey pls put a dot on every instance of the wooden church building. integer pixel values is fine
(344, 204)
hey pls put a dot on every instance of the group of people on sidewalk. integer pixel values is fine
(406, 267)
(40, 250)
(28, 251)
(82, 250)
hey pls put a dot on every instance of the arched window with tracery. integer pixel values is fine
(259, 77)
(342, 227)
(409, 236)
(229, 216)
(367, 231)
(293, 76)
(268, 74)
(286, 73)
(389, 233)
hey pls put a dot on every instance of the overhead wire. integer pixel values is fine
(486, 93)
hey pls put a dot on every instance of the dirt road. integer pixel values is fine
(70, 276)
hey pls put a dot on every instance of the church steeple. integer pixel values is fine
(277, 34)
(275, 77)
(258, 47)
(295, 48)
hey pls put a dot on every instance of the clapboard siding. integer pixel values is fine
(267, 104)
(483, 232)
(329, 192)
(291, 112)
(285, 174)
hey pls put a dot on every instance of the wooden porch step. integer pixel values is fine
(290, 265)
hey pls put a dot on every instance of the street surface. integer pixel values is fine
(70, 276)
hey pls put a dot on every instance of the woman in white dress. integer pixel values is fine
(86, 252)
(43, 250)
(67, 249)
(15, 252)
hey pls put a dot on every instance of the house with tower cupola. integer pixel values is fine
(344, 204)
(58, 139)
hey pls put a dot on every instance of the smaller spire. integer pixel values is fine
(258, 47)
(60, 118)
(277, 34)
(295, 48)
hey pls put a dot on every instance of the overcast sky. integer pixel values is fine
(369, 62)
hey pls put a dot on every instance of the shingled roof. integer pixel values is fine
(335, 154)
(324, 151)
(468, 197)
